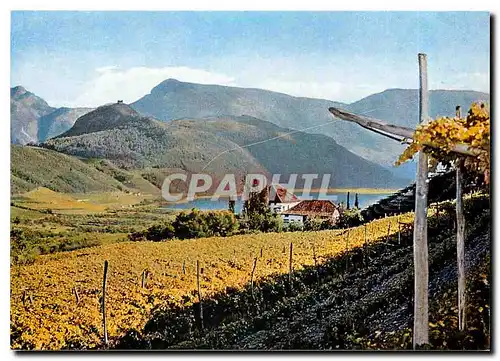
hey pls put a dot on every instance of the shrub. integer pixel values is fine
(221, 223)
(316, 224)
(191, 225)
(160, 232)
(264, 222)
(294, 227)
(349, 218)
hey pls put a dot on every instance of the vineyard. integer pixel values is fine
(55, 302)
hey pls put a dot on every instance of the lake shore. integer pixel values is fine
(299, 192)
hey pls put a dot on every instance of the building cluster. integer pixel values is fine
(292, 209)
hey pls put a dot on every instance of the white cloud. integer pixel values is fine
(112, 83)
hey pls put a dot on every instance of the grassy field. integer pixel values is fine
(45, 314)
(44, 221)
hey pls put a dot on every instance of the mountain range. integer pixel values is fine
(215, 145)
(173, 99)
(182, 126)
(33, 120)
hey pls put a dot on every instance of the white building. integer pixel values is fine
(280, 199)
(323, 209)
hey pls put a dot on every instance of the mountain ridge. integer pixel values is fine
(173, 99)
(196, 144)
(33, 120)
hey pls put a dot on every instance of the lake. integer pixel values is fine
(365, 200)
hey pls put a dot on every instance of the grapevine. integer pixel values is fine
(446, 132)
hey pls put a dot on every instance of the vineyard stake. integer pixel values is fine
(388, 231)
(143, 282)
(199, 292)
(261, 252)
(365, 251)
(347, 252)
(315, 263)
(184, 267)
(253, 272)
(104, 302)
(75, 291)
(399, 232)
(420, 247)
(314, 256)
(290, 267)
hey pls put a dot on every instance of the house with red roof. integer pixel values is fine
(323, 209)
(280, 199)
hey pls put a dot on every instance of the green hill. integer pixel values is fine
(33, 167)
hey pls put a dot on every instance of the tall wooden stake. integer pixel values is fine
(104, 302)
(75, 291)
(460, 243)
(365, 250)
(199, 292)
(184, 267)
(314, 255)
(347, 252)
(143, 279)
(399, 231)
(290, 267)
(420, 252)
(315, 263)
(253, 272)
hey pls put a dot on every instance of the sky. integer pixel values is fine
(92, 58)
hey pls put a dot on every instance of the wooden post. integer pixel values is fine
(199, 292)
(314, 255)
(347, 252)
(420, 251)
(460, 249)
(388, 231)
(104, 302)
(290, 267)
(143, 281)
(315, 263)
(365, 250)
(75, 291)
(399, 231)
(460, 241)
(253, 272)
(184, 267)
(261, 252)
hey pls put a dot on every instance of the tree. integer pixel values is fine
(356, 202)
(348, 203)
(231, 205)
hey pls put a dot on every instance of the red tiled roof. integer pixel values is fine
(313, 208)
(280, 194)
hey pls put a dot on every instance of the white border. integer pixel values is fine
(7, 6)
